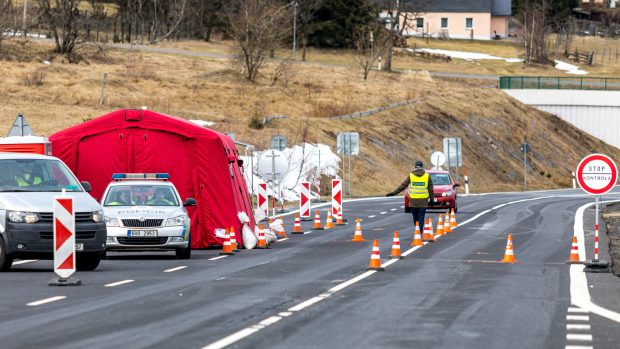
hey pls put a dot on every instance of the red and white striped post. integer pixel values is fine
(262, 201)
(337, 199)
(304, 201)
(64, 242)
(318, 188)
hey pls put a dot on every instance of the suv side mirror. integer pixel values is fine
(190, 202)
(456, 184)
(86, 186)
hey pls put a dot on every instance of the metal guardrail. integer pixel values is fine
(558, 83)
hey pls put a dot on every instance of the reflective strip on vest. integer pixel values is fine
(418, 188)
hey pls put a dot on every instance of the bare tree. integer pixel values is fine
(397, 16)
(534, 18)
(258, 27)
(65, 21)
(306, 11)
(6, 8)
(366, 52)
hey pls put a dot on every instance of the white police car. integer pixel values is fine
(144, 212)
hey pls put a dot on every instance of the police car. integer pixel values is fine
(144, 212)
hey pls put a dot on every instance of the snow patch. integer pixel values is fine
(203, 123)
(468, 56)
(569, 68)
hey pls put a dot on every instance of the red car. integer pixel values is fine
(444, 189)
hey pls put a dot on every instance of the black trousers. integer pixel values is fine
(418, 216)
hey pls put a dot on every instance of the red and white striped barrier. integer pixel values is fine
(263, 204)
(64, 237)
(337, 199)
(304, 201)
(318, 188)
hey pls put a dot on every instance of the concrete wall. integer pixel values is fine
(595, 112)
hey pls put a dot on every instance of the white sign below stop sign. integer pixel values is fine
(597, 174)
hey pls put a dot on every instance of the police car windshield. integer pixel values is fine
(440, 179)
(140, 195)
(36, 175)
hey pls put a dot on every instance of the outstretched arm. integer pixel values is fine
(400, 188)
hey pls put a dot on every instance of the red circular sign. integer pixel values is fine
(597, 174)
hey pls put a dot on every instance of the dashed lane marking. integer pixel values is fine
(25, 261)
(175, 269)
(118, 283)
(578, 347)
(45, 301)
(393, 209)
(373, 216)
(577, 327)
(384, 212)
(579, 337)
(218, 257)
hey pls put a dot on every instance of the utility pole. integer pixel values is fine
(372, 46)
(273, 157)
(524, 149)
(295, 4)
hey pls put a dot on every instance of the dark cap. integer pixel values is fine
(419, 164)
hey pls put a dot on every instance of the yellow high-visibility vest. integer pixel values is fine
(418, 187)
(23, 183)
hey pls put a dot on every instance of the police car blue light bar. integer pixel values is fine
(134, 176)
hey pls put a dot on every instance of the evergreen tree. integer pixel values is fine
(337, 20)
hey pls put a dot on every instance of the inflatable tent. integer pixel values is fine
(202, 163)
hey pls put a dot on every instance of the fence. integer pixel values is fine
(558, 83)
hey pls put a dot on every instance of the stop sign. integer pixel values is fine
(597, 174)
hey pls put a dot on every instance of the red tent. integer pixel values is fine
(202, 163)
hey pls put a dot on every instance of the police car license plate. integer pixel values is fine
(79, 246)
(141, 233)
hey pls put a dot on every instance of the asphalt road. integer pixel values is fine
(313, 290)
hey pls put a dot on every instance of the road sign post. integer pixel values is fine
(64, 242)
(347, 143)
(597, 174)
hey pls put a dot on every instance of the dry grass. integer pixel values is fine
(491, 125)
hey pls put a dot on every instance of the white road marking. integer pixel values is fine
(284, 239)
(219, 257)
(577, 327)
(118, 283)
(248, 331)
(308, 232)
(577, 318)
(402, 207)
(393, 209)
(46, 300)
(578, 347)
(577, 310)
(285, 314)
(175, 269)
(578, 337)
(383, 212)
(579, 293)
(373, 216)
(25, 261)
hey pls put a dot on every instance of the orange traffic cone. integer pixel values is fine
(426, 235)
(574, 252)
(446, 224)
(509, 256)
(396, 247)
(417, 237)
(233, 240)
(329, 224)
(440, 226)
(430, 230)
(282, 233)
(297, 228)
(339, 220)
(375, 257)
(453, 223)
(358, 232)
(317, 221)
(227, 248)
(262, 242)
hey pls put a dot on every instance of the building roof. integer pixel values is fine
(495, 7)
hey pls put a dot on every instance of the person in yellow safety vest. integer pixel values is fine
(122, 199)
(420, 192)
(27, 178)
(160, 199)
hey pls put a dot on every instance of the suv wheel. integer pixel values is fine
(88, 262)
(6, 260)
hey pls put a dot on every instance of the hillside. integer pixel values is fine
(491, 125)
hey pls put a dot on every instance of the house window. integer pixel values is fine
(444, 23)
(419, 23)
(469, 23)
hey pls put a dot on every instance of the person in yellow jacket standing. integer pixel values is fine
(420, 192)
